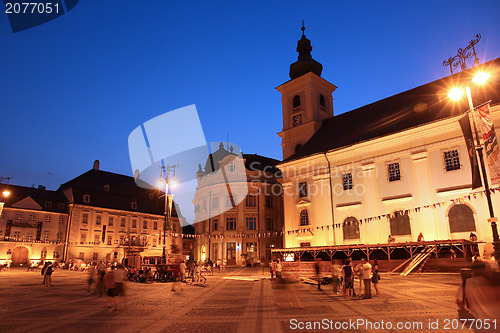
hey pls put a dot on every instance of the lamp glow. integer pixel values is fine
(481, 77)
(6, 193)
(455, 94)
(173, 183)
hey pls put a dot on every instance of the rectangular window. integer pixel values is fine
(111, 221)
(17, 235)
(393, 170)
(85, 218)
(122, 222)
(95, 255)
(110, 240)
(61, 205)
(155, 225)
(55, 254)
(83, 237)
(19, 216)
(251, 223)
(269, 201)
(108, 256)
(32, 217)
(251, 201)
(46, 236)
(231, 223)
(48, 204)
(451, 160)
(29, 237)
(145, 224)
(47, 219)
(81, 256)
(215, 203)
(303, 189)
(305, 244)
(97, 238)
(215, 251)
(155, 241)
(43, 253)
(98, 220)
(59, 236)
(269, 223)
(61, 219)
(347, 181)
(251, 247)
(134, 223)
(230, 201)
(215, 223)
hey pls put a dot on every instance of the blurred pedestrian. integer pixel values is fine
(317, 272)
(182, 270)
(101, 272)
(119, 282)
(109, 286)
(336, 275)
(272, 268)
(279, 269)
(91, 277)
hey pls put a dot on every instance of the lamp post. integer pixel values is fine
(165, 182)
(455, 94)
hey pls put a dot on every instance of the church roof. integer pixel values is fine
(40, 195)
(411, 108)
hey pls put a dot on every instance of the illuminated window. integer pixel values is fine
(43, 253)
(347, 181)
(451, 160)
(155, 225)
(122, 222)
(111, 221)
(46, 235)
(304, 217)
(85, 218)
(145, 224)
(400, 223)
(98, 220)
(394, 173)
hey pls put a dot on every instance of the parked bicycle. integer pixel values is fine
(191, 279)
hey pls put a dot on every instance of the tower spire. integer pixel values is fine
(305, 62)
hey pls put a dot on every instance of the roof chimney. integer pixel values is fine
(96, 165)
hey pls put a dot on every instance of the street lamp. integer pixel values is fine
(455, 94)
(165, 182)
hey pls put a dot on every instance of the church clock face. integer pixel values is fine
(297, 120)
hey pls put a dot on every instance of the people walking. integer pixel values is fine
(91, 277)
(279, 269)
(317, 273)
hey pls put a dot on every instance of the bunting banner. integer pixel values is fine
(488, 134)
(469, 141)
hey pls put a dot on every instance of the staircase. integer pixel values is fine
(417, 260)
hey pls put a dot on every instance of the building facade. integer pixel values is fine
(241, 225)
(397, 167)
(97, 216)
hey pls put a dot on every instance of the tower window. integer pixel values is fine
(296, 101)
(304, 217)
(322, 100)
(394, 173)
(347, 181)
(303, 190)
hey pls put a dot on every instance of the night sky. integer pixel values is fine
(73, 89)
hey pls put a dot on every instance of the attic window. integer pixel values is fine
(61, 205)
(106, 188)
(86, 198)
(48, 204)
(133, 204)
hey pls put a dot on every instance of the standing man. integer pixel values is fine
(366, 274)
(182, 271)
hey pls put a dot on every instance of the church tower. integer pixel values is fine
(306, 99)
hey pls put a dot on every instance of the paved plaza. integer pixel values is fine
(238, 300)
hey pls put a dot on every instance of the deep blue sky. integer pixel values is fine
(73, 89)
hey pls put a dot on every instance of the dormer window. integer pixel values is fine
(106, 188)
(133, 204)
(48, 204)
(86, 198)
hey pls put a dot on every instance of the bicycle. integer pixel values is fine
(190, 279)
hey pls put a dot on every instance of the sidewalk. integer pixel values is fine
(237, 300)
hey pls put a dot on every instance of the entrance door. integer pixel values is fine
(20, 256)
(230, 250)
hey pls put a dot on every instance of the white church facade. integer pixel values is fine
(396, 168)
